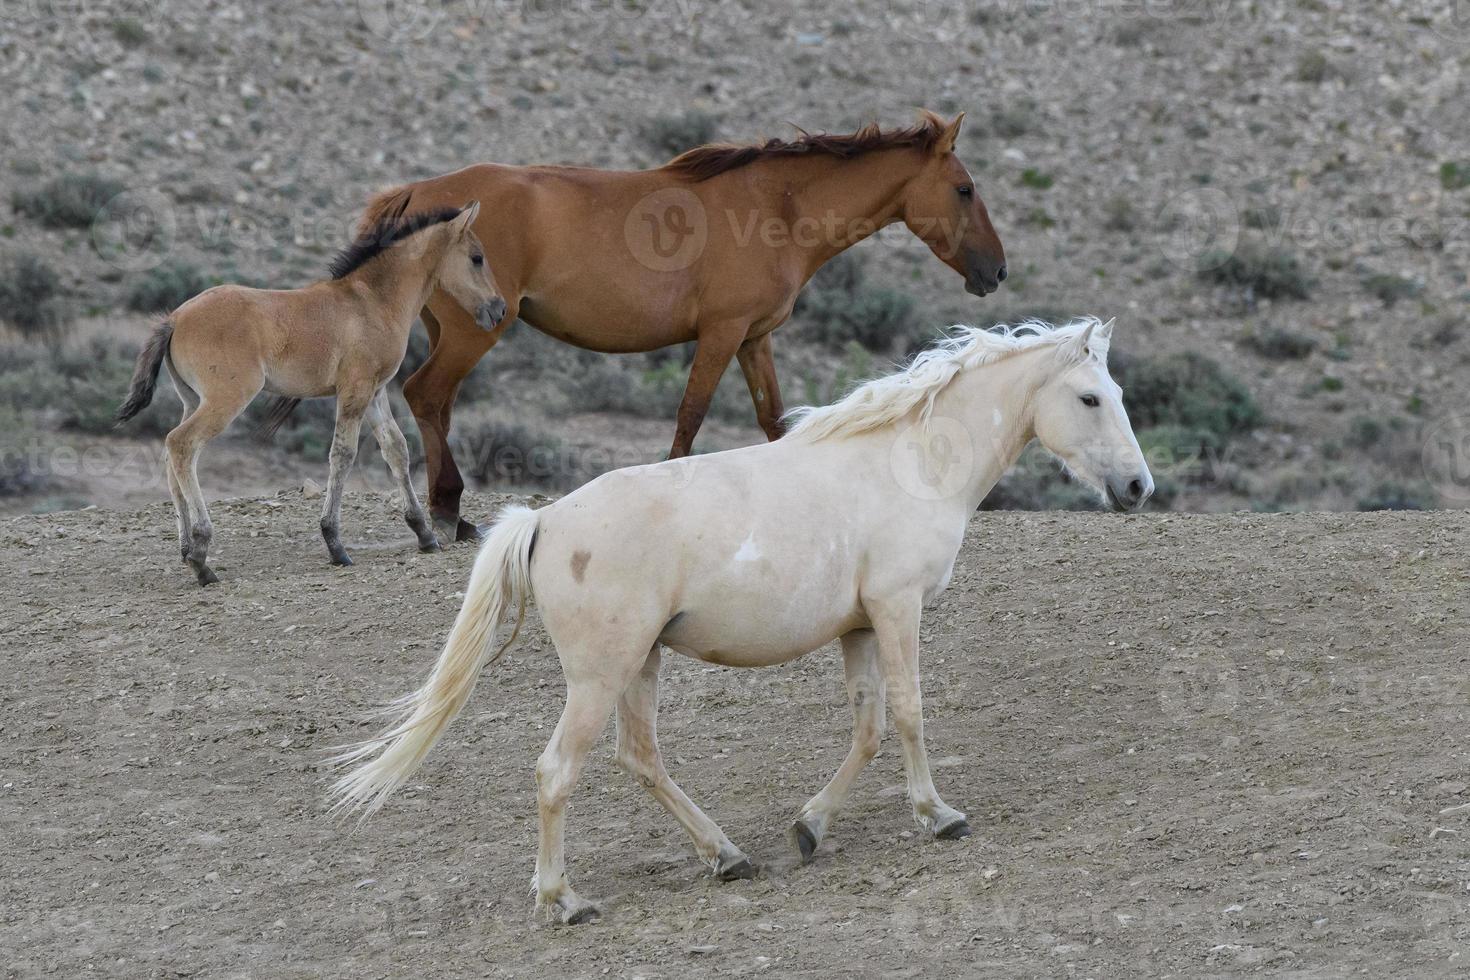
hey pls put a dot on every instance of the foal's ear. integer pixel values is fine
(466, 217)
(951, 133)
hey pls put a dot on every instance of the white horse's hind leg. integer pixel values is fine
(638, 753)
(595, 679)
(897, 624)
(865, 695)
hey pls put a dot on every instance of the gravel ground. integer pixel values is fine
(1189, 745)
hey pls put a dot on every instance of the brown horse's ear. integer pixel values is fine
(951, 133)
(466, 217)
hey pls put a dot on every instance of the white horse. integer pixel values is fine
(844, 528)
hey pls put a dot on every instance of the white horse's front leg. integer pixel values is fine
(865, 695)
(896, 622)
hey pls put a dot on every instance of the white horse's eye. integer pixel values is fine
(1090, 401)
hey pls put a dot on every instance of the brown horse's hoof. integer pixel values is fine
(954, 831)
(465, 531)
(428, 547)
(343, 559)
(207, 576)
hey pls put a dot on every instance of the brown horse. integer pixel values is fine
(344, 337)
(712, 247)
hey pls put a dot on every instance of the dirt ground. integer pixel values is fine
(1189, 745)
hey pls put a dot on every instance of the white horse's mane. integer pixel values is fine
(884, 400)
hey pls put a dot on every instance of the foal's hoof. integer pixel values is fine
(806, 839)
(954, 830)
(343, 559)
(207, 576)
(425, 547)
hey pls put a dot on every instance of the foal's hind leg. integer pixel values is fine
(638, 753)
(395, 451)
(351, 404)
(184, 444)
(190, 401)
(865, 694)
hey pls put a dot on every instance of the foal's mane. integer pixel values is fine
(704, 162)
(384, 233)
(887, 399)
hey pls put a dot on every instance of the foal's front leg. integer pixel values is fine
(896, 622)
(395, 452)
(350, 408)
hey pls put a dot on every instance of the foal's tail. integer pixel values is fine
(502, 578)
(145, 372)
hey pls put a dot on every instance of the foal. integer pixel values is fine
(756, 556)
(345, 336)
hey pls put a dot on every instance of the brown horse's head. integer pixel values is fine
(942, 207)
(465, 274)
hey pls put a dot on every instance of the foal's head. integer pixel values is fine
(464, 273)
(1080, 417)
(943, 208)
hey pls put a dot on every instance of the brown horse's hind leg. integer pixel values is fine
(351, 405)
(712, 354)
(638, 753)
(430, 394)
(759, 368)
(395, 452)
(865, 695)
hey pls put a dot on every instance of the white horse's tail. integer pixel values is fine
(501, 579)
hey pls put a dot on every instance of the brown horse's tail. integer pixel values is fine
(145, 372)
(389, 205)
(276, 413)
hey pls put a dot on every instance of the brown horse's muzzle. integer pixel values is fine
(983, 275)
(490, 313)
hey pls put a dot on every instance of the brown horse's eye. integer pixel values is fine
(966, 191)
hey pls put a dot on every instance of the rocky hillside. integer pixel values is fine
(1283, 190)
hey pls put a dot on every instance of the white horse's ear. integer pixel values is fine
(1078, 347)
(1105, 332)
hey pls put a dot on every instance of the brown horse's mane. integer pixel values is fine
(385, 231)
(704, 162)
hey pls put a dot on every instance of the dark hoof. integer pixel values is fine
(743, 867)
(426, 547)
(582, 914)
(341, 558)
(806, 841)
(960, 828)
(207, 576)
(465, 531)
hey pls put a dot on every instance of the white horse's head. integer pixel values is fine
(1080, 417)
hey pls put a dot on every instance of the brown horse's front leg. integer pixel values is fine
(430, 394)
(759, 368)
(712, 356)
